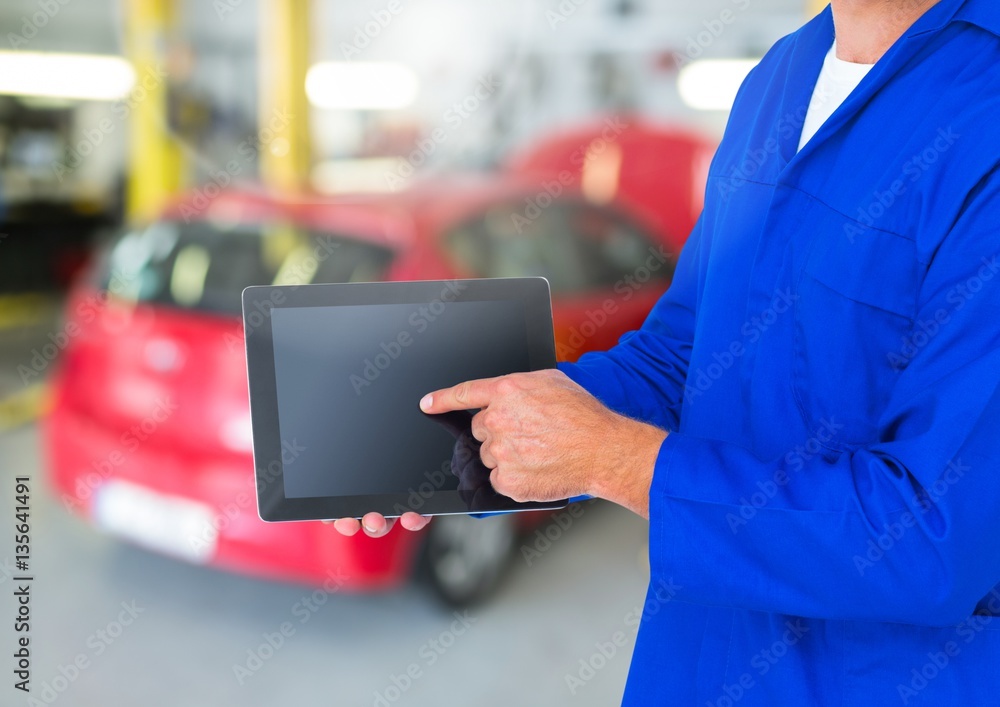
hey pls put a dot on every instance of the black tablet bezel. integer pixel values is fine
(260, 301)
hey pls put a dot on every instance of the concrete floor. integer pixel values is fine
(194, 624)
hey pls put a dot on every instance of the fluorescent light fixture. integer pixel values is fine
(86, 77)
(361, 85)
(712, 84)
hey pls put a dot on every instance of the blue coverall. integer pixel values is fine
(825, 512)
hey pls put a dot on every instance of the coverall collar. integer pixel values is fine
(813, 43)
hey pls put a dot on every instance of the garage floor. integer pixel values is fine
(152, 631)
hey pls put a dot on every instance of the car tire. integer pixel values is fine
(466, 558)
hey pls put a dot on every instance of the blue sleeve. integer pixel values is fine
(643, 376)
(906, 529)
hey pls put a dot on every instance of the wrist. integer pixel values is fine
(631, 460)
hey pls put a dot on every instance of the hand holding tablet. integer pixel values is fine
(336, 372)
(535, 436)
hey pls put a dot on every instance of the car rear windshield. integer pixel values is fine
(204, 267)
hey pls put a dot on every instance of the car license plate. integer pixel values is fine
(173, 526)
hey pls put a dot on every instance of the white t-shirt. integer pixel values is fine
(836, 82)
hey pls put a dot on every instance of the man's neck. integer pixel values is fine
(867, 28)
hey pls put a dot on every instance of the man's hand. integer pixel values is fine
(375, 525)
(546, 438)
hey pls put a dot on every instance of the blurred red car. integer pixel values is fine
(149, 434)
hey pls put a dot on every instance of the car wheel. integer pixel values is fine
(466, 558)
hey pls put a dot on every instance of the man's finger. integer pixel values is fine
(347, 526)
(413, 521)
(478, 428)
(495, 481)
(375, 525)
(489, 461)
(464, 396)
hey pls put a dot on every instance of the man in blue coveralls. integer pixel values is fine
(810, 417)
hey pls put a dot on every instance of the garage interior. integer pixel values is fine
(197, 127)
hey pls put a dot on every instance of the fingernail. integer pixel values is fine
(368, 529)
(426, 402)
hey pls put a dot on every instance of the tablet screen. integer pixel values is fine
(350, 378)
(336, 373)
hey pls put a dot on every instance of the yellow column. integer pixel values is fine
(156, 165)
(814, 7)
(283, 115)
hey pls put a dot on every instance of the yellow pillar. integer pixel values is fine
(814, 7)
(156, 165)
(283, 112)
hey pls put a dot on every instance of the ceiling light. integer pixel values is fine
(88, 77)
(359, 85)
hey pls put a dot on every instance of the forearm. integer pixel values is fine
(624, 473)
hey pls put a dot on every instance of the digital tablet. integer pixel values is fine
(336, 373)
